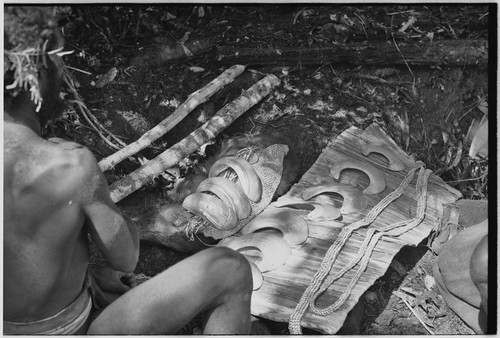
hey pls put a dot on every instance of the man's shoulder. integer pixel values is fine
(70, 154)
(64, 154)
(69, 169)
(42, 176)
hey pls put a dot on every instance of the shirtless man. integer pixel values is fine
(54, 195)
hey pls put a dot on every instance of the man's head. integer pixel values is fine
(32, 69)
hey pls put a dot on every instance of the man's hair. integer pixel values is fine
(26, 26)
(28, 36)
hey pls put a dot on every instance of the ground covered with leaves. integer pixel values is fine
(130, 73)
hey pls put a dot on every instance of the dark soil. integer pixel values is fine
(426, 110)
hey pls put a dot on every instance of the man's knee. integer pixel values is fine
(232, 267)
(479, 270)
(479, 262)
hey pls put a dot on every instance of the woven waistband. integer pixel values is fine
(66, 321)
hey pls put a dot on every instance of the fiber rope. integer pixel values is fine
(321, 281)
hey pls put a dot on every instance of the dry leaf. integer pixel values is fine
(479, 146)
(105, 79)
(458, 156)
(483, 106)
(408, 24)
(195, 69)
(429, 282)
(446, 136)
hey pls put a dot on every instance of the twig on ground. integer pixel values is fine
(474, 105)
(99, 124)
(416, 315)
(78, 70)
(401, 12)
(404, 59)
(468, 179)
(94, 127)
(89, 117)
(362, 24)
(393, 84)
(296, 15)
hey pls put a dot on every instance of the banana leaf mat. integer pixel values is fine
(283, 287)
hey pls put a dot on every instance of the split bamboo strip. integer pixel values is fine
(170, 157)
(194, 100)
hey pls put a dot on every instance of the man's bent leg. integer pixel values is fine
(216, 280)
(479, 276)
(452, 271)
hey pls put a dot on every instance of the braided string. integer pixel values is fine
(319, 283)
(366, 249)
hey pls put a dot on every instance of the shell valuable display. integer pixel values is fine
(318, 248)
(237, 189)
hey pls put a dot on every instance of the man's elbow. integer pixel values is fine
(126, 261)
(126, 264)
(130, 256)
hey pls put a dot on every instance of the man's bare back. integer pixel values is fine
(47, 185)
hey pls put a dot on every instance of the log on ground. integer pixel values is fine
(438, 53)
(158, 54)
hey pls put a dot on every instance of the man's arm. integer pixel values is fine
(114, 233)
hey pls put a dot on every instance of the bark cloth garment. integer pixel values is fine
(70, 319)
(452, 274)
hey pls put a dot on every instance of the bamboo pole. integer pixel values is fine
(195, 99)
(170, 157)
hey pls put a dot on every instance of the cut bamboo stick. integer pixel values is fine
(195, 99)
(170, 157)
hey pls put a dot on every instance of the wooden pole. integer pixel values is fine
(170, 157)
(195, 99)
